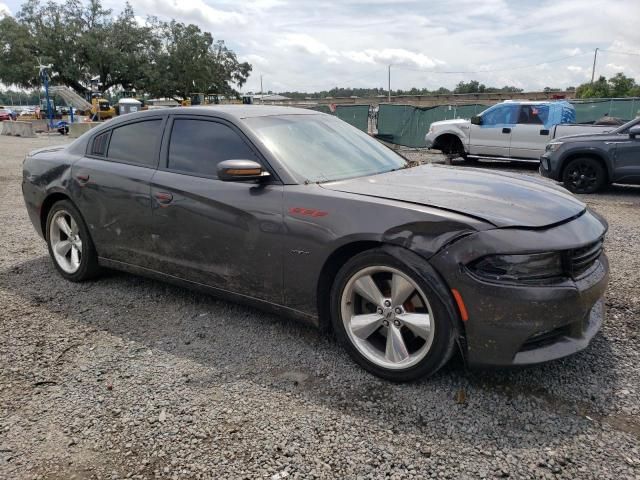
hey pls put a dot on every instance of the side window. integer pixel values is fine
(533, 114)
(99, 145)
(197, 146)
(499, 115)
(136, 143)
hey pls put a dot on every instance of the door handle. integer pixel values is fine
(544, 132)
(163, 198)
(506, 130)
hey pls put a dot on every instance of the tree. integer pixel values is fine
(190, 61)
(470, 87)
(17, 65)
(618, 86)
(83, 41)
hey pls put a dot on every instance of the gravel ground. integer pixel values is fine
(126, 377)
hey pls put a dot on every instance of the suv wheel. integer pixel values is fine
(389, 318)
(584, 175)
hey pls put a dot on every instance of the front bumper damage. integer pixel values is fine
(521, 324)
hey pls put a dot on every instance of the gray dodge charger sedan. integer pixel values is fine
(299, 212)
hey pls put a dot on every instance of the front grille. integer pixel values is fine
(582, 259)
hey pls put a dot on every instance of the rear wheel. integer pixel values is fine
(584, 175)
(70, 245)
(389, 318)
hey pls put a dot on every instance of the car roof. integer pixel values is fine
(229, 112)
(245, 111)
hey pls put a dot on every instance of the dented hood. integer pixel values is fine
(503, 199)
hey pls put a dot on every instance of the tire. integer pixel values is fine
(428, 345)
(584, 175)
(70, 246)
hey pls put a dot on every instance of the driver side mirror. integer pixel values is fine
(476, 120)
(241, 171)
(634, 131)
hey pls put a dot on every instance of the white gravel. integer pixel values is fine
(126, 377)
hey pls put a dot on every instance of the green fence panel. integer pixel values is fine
(356, 115)
(588, 111)
(321, 108)
(407, 125)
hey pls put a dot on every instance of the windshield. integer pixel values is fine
(321, 148)
(626, 126)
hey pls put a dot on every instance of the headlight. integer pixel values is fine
(536, 266)
(553, 146)
(430, 130)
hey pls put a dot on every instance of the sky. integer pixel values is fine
(313, 45)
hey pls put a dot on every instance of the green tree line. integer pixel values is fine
(85, 41)
(618, 86)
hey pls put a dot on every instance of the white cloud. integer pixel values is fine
(4, 10)
(196, 11)
(312, 45)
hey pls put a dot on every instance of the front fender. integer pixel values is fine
(595, 150)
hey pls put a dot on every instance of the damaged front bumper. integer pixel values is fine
(521, 324)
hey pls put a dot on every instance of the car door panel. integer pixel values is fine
(113, 196)
(227, 235)
(530, 135)
(493, 137)
(627, 160)
(222, 234)
(115, 203)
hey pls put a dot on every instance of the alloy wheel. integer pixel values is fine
(387, 317)
(583, 176)
(66, 244)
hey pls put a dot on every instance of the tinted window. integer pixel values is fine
(534, 114)
(197, 146)
(99, 146)
(500, 115)
(136, 142)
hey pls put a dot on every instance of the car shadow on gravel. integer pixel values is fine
(235, 343)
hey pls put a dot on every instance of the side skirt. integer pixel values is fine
(217, 292)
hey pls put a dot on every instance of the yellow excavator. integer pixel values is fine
(101, 108)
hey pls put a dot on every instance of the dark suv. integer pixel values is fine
(585, 163)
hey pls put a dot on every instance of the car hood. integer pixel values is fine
(503, 199)
(591, 137)
(444, 123)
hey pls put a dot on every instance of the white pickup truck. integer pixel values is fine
(511, 130)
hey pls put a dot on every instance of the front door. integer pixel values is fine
(627, 160)
(493, 137)
(111, 188)
(531, 133)
(222, 234)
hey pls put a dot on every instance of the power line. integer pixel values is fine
(621, 53)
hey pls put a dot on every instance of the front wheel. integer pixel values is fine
(584, 175)
(389, 319)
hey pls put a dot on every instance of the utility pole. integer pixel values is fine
(389, 84)
(593, 71)
(261, 91)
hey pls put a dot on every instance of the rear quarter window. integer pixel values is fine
(99, 145)
(136, 143)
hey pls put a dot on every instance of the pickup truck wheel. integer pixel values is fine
(583, 175)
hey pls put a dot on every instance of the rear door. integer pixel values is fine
(111, 188)
(627, 160)
(223, 234)
(493, 137)
(530, 135)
